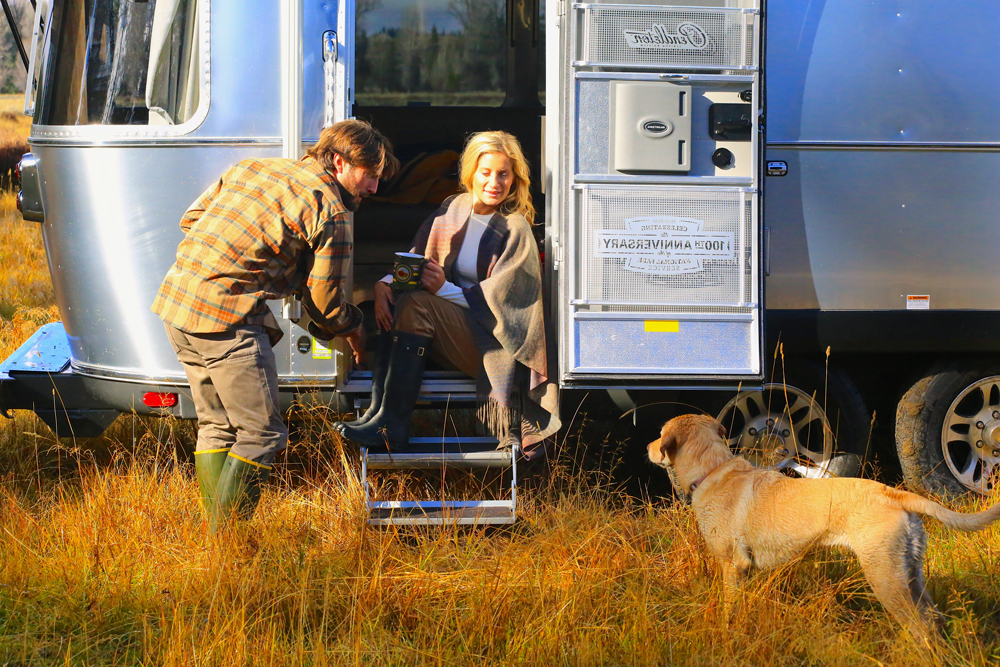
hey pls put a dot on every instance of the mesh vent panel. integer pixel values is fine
(687, 38)
(719, 281)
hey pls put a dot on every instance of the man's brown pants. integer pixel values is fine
(234, 385)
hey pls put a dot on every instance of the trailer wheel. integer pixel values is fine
(948, 430)
(792, 428)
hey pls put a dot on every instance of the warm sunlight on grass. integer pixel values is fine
(105, 558)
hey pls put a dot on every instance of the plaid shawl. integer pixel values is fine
(506, 315)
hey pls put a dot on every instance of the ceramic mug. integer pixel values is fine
(406, 271)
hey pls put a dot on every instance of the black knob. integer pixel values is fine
(746, 95)
(722, 158)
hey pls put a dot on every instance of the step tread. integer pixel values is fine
(436, 385)
(456, 455)
(442, 512)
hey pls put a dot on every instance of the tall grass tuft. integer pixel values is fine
(105, 559)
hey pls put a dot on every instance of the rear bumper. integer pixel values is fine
(39, 377)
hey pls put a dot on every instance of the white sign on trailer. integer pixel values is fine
(664, 246)
(688, 36)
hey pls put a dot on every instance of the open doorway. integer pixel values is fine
(429, 73)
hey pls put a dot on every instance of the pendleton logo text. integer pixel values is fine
(688, 36)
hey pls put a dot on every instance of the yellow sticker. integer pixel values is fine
(321, 350)
(663, 326)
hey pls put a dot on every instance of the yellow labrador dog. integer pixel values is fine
(742, 512)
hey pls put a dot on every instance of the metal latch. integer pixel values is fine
(777, 168)
(730, 122)
(330, 46)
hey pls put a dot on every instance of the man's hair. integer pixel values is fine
(359, 144)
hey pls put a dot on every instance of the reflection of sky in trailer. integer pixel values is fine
(397, 13)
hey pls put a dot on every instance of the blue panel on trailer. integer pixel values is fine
(47, 351)
(695, 347)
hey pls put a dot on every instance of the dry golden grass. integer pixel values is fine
(105, 560)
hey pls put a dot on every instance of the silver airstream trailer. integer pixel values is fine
(665, 214)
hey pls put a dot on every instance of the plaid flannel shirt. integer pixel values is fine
(267, 229)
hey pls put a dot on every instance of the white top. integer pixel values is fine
(465, 264)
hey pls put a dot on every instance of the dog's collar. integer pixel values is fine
(695, 484)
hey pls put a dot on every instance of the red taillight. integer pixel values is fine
(154, 399)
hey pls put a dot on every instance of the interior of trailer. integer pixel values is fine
(495, 84)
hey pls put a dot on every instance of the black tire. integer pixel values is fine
(965, 394)
(814, 424)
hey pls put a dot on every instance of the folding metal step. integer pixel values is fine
(442, 453)
(459, 512)
(437, 387)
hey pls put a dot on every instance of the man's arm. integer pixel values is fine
(323, 296)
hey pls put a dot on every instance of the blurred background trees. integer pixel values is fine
(12, 73)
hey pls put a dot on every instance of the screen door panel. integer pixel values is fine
(661, 281)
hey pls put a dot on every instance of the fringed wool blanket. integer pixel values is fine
(506, 315)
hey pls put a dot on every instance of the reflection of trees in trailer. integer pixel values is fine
(413, 59)
(112, 62)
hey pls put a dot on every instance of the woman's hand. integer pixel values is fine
(383, 305)
(432, 277)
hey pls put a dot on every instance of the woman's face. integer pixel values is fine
(491, 182)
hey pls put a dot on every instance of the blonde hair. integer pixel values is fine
(519, 198)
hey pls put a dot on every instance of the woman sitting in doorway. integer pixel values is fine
(479, 310)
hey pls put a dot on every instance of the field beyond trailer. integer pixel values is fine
(105, 558)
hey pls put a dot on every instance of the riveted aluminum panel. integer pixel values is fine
(111, 233)
(856, 70)
(862, 229)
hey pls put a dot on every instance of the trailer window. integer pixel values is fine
(120, 62)
(440, 52)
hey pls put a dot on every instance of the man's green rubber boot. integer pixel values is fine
(208, 466)
(238, 491)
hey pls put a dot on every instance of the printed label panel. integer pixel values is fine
(663, 245)
(688, 36)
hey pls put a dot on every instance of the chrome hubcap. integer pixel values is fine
(970, 436)
(782, 428)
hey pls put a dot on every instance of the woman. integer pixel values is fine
(479, 309)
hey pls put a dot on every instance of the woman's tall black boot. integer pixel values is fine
(391, 426)
(380, 364)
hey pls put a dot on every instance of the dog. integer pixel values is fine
(759, 519)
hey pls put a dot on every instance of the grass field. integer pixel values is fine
(105, 560)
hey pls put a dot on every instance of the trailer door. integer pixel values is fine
(657, 220)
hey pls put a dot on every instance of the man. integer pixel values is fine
(269, 228)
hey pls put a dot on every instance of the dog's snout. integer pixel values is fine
(655, 451)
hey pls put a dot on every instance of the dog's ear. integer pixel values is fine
(668, 447)
(722, 431)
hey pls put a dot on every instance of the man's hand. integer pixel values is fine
(383, 305)
(432, 277)
(356, 339)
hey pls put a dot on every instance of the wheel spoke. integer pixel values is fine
(811, 472)
(953, 420)
(967, 475)
(992, 394)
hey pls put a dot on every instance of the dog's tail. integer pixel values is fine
(911, 502)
